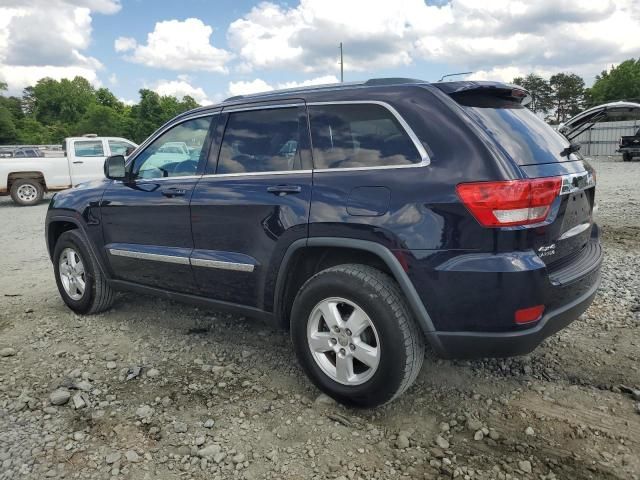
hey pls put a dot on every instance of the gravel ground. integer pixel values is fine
(222, 397)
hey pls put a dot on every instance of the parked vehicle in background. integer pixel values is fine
(21, 152)
(27, 178)
(369, 218)
(630, 146)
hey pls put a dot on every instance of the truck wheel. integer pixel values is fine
(626, 157)
(354, 336)
(27, 192)
(80, 282)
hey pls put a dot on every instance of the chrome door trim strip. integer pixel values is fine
(196, 262)
(424, 156)
(238, 267)
(149, 256)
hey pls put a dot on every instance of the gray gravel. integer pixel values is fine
(221, 397)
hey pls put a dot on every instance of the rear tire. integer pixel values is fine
(27, 192)
(390, 342)
(80, 281)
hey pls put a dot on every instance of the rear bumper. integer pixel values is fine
(472, 298)
(506, 344)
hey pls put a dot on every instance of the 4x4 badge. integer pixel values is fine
(547, 250)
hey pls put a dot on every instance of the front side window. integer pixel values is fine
(175, 153)
(119, 147)
(89, 148)
(262, 141)
(359, 135)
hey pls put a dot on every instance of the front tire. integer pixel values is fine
(80, 281)
(626, 157)
(354, 336)
(27, 192)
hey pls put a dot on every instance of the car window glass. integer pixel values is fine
(89, 148)
(118, 147)
(261, 141)
(175, 153)
(359, 135)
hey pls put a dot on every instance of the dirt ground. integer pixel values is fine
(222, 397)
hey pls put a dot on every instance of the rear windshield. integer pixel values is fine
(525, 137)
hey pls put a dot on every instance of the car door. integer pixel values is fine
(146, 221)
(86, 159)
(253, 202)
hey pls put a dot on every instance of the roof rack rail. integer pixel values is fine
(372, 82)
(391, 81)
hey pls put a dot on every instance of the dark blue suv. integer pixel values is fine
(369, 218)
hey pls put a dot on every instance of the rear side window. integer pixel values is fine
(262, 141)
(527, 139)
(359, 135)
(89, 148)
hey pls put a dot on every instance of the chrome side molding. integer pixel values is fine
(195, 262)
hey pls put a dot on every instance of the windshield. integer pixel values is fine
(526, 138)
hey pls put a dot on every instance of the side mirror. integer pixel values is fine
(114, 168)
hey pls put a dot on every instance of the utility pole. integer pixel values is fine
(341, 65)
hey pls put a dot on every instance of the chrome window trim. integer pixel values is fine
(149, 256)
(255, 174)
(196, 262)
(235, 266)
(422, 151)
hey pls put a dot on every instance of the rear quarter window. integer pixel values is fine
(357, 136)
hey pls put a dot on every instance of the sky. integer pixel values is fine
(212, 49)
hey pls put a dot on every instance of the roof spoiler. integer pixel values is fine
(497, 89)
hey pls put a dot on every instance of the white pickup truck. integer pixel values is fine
(26, 179)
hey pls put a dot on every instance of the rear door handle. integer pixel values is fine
(174, 192)
(78, 162)
(284, 189)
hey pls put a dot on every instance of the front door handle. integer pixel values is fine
(174, 192)
(284, 189)
(77, 162)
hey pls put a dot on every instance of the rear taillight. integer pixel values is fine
(510, 203)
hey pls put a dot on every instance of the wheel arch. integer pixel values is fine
(58, 224)
(31, 175)
(387, 262)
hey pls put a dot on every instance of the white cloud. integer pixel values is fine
(259, 86)
(247, 87)
(124, 44)
(40, 38)
(545, 35)
(314, 81)
(113, 79)
(180, 88)
(177, 45)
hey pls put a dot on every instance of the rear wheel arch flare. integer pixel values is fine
(388, 261)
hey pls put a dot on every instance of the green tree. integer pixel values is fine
(106, 98)
(540, 90)
(619, 83)
(8, 132)
(62, 100)
(568, 95)
(101, 120)
(32, 132)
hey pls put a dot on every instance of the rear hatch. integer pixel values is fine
(539, 152)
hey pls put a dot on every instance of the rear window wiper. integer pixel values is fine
(572, 148)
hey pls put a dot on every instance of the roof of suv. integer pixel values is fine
(374, 83)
